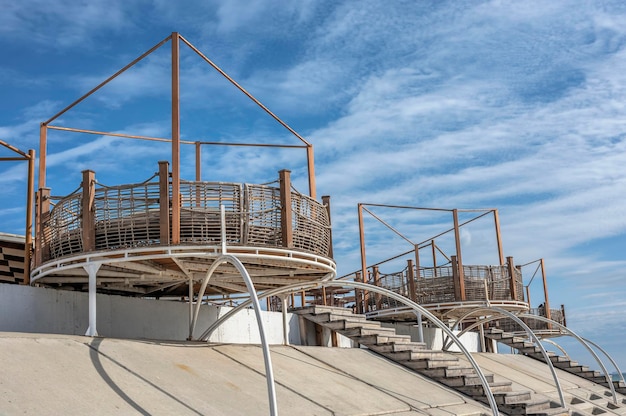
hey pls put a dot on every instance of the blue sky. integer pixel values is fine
(478, 104)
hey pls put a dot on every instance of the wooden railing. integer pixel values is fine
(98, 217)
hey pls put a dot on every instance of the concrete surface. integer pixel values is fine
(41, 310)
(74, 375)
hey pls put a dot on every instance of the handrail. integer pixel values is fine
(364, 286)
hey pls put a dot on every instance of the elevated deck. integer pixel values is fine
(127, 231)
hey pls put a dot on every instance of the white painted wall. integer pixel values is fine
(433, 337)
(33, 309)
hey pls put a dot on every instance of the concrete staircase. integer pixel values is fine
(564, 363)
(437, 365)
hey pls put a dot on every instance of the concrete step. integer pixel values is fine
(430, 364)
(369, 340)
(363, 332)
(397, 347)
(324, 317)
(319, 309)
(477, 390)
(414, 355)
(345, 324)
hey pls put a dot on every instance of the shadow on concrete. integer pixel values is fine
(95, 354)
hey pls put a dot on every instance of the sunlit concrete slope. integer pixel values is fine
(73, 375)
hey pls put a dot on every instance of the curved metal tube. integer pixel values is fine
(207, 333)
(399, 298)
(530, 333)
(269, 373)
(205, 282)
(586, 345)
(535, 339)
(619, 372)
(549, 341)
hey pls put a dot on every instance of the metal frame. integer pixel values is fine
(30, 192)
(562, 328)
(364, 286)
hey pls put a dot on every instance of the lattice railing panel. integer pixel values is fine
(127, 216)
(263, 220)
(200, 212)
(63, 230)
(311, 224)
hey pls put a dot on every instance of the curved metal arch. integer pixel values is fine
(567, 332)
(531, 335)
(217, 263)
(549, 341)
(269, 373)
(585, 344)
(535, 339)
(416, 307)
(619, 372)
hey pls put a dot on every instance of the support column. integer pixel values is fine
(88, 221)
(363, 257)
(43, 144)
(190, 308)
(545, 291)
(326, 202)
(358, 298)
(164, 202)
(459, 261)
(41, 219)
(459, 282)
(496, 219)
(175, 139)
(286, 213)
(311, 167)
(377, 296)
(512, 282)
(283, 299)
(30, 192)
(92, 270)
(420, 327)
(411, 278)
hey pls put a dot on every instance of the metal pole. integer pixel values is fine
(175, 139)
(420, 328)
(545, 291)
(311, 168)
(92, 271)
(285, 323)
(30, 192)
(363, 256)
(459, 261)
(496, 219)
(43, 143)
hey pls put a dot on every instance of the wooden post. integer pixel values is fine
(545, 289)
(43, 144)
(286, 213)
(434, 250)
(512, 284)
(311, 168)
(411, 278)
(357, 295)
(88, 211)
(198, 172)
(459, 283)
(563, 314)
(42, 248)
(175, 139)
(496, 219)
(326, 202)
(164, 202)
(377, 297)
(30, 192)
(459, 260)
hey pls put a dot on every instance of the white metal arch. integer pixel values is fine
(563, 329)
(269, 373)
(416, 307)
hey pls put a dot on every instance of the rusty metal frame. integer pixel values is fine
(30, 192)
(175, 139)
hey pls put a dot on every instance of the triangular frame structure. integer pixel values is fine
(175, 38)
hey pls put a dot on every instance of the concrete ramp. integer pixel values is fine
(73, 375)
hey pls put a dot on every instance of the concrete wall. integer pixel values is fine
(40, 310)
(433, 337)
